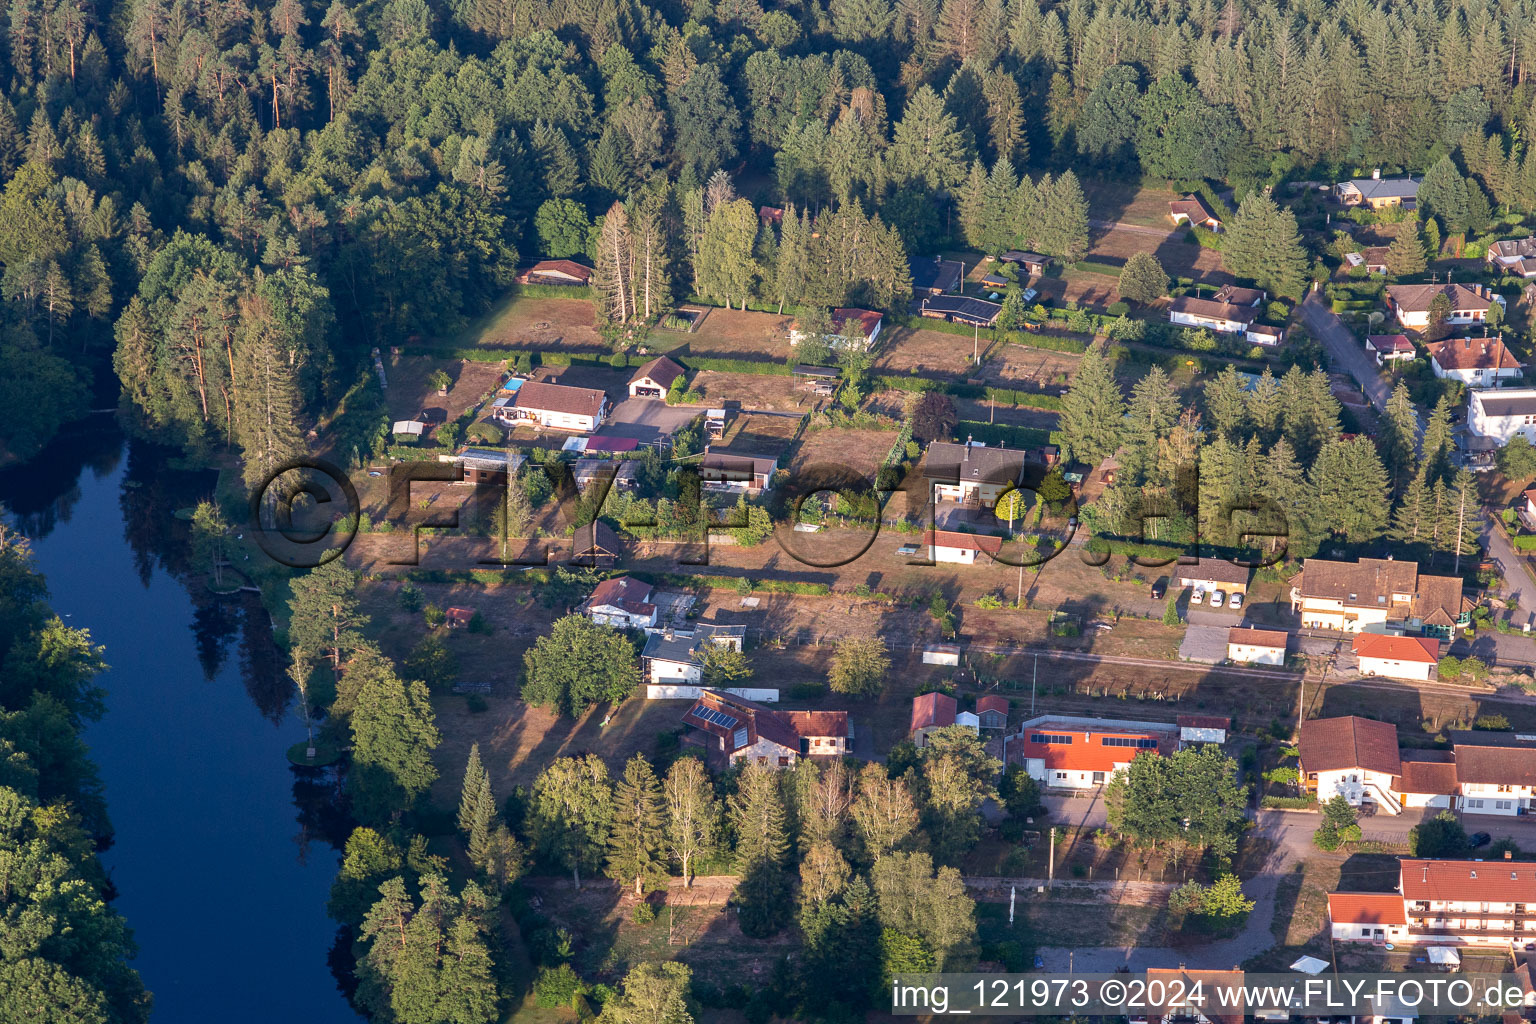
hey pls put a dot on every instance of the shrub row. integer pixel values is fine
(1002, 434)
(1024, 399)
(1289, 803)
(1048, 342)
(551, 291)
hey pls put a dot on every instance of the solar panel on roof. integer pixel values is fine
(714, 717)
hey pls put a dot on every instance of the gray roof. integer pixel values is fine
(940, 274)
(946, 461)
(963, 306)
(1521, 402)
(682, 647)
(1386, 188)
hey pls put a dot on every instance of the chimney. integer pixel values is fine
(1376, 174)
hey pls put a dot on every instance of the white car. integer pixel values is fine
(1198, 597)
(1217, 597)
(1236, 602)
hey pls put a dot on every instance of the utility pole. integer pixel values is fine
(1050, 870)
(1033, 679)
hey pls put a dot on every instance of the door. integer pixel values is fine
(1098, 778)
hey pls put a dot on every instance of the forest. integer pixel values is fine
(227, 205)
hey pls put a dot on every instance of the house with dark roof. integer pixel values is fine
(735, 729)
(595, 545)
(1396, 657)
(1411, 303)
(1191, 209)
(1374, 594)
(1389, 348)
(1378, 193)
(655, 378)
(1208, 574)
(1030, 262)
(1495, 773)
(1212, 314)
(675, 656)
(556, 406)
(1373, 258)
(1495, 417)
(972, 473)
(725, 471)
(1476, 362)
(621, 474)
(961, 309)
(1353, 757)
(1067, 752)
(624, 602)
(1516, 256)
(557, 272)
(935, 276)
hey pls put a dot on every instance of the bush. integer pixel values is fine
(807, 691)
(1493, 722)
(1118, 309)
(477, 624)
(557, 986)
(476, 704)
(643, 913)
(1289, 803)
(434, 615)
(410, 598)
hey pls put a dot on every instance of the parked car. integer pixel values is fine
(1218, 597)
(1198, 597)
(1236, 602)
(1478, 839)
(1159, 588)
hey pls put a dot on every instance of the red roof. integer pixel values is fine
(1420, 650)
(868, 319)
(1086, 749)
(624, 592)
(1257, 637)
(1193, 207)
(1472, 354)
(1203, 722)
(1390, 343)
(1471, 881)
(460, 615)
(963, 541)
(770, 214)
(992, 702)
(932, 710)
(1373, 908)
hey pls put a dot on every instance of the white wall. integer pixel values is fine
(1393, 669)
(1354, 784)
(1255, 655)
(683, 692)
(664, 672)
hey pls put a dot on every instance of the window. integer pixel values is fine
(1505, 789)
(1474, 804)
(1365, 933)
(1502, 805)
(1061, 775)
(1050, 737)
(1128, 741)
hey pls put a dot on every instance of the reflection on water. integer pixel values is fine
(224, 852)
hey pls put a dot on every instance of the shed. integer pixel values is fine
(595, 545)
(459, 618)
(1032, 262)
(408, 428)
(992, 711)
(941, 654)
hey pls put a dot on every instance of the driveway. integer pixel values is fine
(1517, 577)
(1344, 350)
(647, 420)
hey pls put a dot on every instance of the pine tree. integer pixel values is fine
(570, 812)
(929, 147)
(1462, 517)
(1410, 522)
(1399, 437)
(1435, 449)
(1405, 255)
(393, 734)
(482, 825)
(1350, 490)
(757, 813)
(1265, 411)
(469, 792)
(636, 842)
(1063, 226)
(1262, 243)
(557, 160)
(727, 270)
(1142, 279)
(1226, 404)
(1091, 412)
(267, 405)
(1150, 415)
(325, 613)
(971, 203)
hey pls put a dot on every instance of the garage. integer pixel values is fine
(654, 379)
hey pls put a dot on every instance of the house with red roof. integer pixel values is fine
(624, 602)
(1353, 757)
(1191, 209)
(1476, 362)
(961, 548)
(847, 322)
(1443, 903)
(1389, 348)
(992, 711)
(734, 729)
(1397, 657)
(1065, 752)
(1376, 917)
(934, 711)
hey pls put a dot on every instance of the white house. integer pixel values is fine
(624, 602)
(1397, 657)
(1065, 752)
(1375, 917)
(1469, 902)
(1354, 596)
(1209, 574)
(1222, 317)
(1496, 779)
(1263, 334)
(1353, 757)
(866, 323)
(960, 548)
(654, 379)
(971, 472)
(1377, 192)
(1476, 362)
(1428, 779)
(1501, 414)
(1257, 646)
(553, 405)
(1389, 348)
(672, 657)
(1410, 303)
(739, 730)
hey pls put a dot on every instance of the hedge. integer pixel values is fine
(925, 323)
(1003, 434)
(736, 365)
(552, 291)
(1524, 542)
(1289, 803)
(1025, 399)
(1095, 267)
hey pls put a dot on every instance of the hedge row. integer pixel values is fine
(736, 365)
(552, 291)
(924, 323)
(1003, 434)
(1024, 399)
(1524, 542)
(1289, 803)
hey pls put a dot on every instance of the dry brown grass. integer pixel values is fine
(740, 334)
(525, 322)
(862, 451)
(906, 349)
(750, 391)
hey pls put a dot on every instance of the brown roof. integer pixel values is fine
(1439, 600)
(542, 395)
(1415, 298)
(1216, 570)
(597, 536)
(661, 370)
(932, 709)
(1330, 744)
(1258, 637)
(1389, 342)
(1374, 582)
(1203, 722)
(561, 266)
(1472, 354)
(1375, 908)
(1497, 766)
(814, 724)
(1429, 771)
(785, 728)
(1164, 997)
(868, 319)
(1213, 309)
(1470, 881)
(623, 592)
(1193, 207)
(771, 214)
(1239, 296)
(1421, 650)
(460, 614)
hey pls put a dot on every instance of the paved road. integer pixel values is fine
(1347, 354)
(1517, 577)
